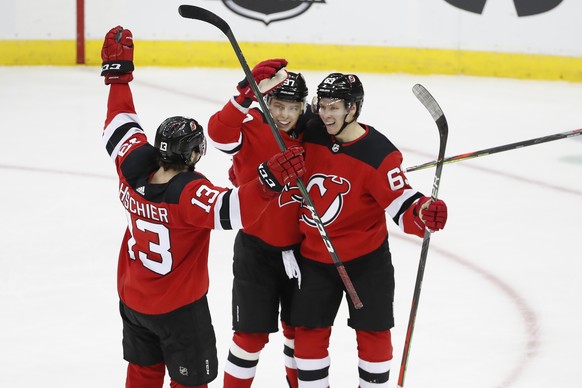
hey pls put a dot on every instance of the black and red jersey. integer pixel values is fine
(163, 260)
(245, 134)
(353, 186)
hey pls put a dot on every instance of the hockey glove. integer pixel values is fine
(117, 56)
(282, 168)
(433, 215)
(267, 74)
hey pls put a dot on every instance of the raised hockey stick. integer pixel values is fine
(501, 148)
(439, 117)
(193, 12)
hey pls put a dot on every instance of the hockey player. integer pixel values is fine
(171, 209)
(354, 176)
(264, 264)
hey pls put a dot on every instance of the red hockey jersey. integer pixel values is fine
(353, 186)
(245, 134)
(163, 260)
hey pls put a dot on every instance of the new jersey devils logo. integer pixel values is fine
(269, 11)
(328, 194)
(523, 7)
(289, 195)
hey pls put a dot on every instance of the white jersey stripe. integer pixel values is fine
(231, 211)
(394, 208)
(226, 147)
(235, 216)
(217, 207)
(230, 148)
(118, 121)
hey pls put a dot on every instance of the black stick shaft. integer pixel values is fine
(501, 148)
(431, 105)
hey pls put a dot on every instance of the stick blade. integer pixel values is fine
(428, 101)
(193, 12)
(434, 109)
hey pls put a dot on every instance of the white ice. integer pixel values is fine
(500, 303)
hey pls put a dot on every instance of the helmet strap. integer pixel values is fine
(343, 127)
(346, 123)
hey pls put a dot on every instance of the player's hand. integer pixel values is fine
(282, 168)
(267, 74)
(432, 214)
(117, 56)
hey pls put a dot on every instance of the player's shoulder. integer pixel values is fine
(253, 120)
(378, 139)
(255, 128)
(303, 121)
(181, 183)
(373, 148)
(314, 131)
(258, 115)
(121, 133)
(138, 158)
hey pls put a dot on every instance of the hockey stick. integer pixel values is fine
(193, 12)
(439, 117)
(501, 148)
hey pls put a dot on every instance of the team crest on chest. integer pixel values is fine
(289, 195)
(327, 192)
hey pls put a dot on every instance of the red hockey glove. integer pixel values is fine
(433, 215)
(282, 168)
(267, 75)
(117, 56)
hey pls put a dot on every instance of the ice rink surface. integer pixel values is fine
(501, 298)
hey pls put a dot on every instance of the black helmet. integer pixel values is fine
(177, 137)
(347, 87)
(293, 88)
